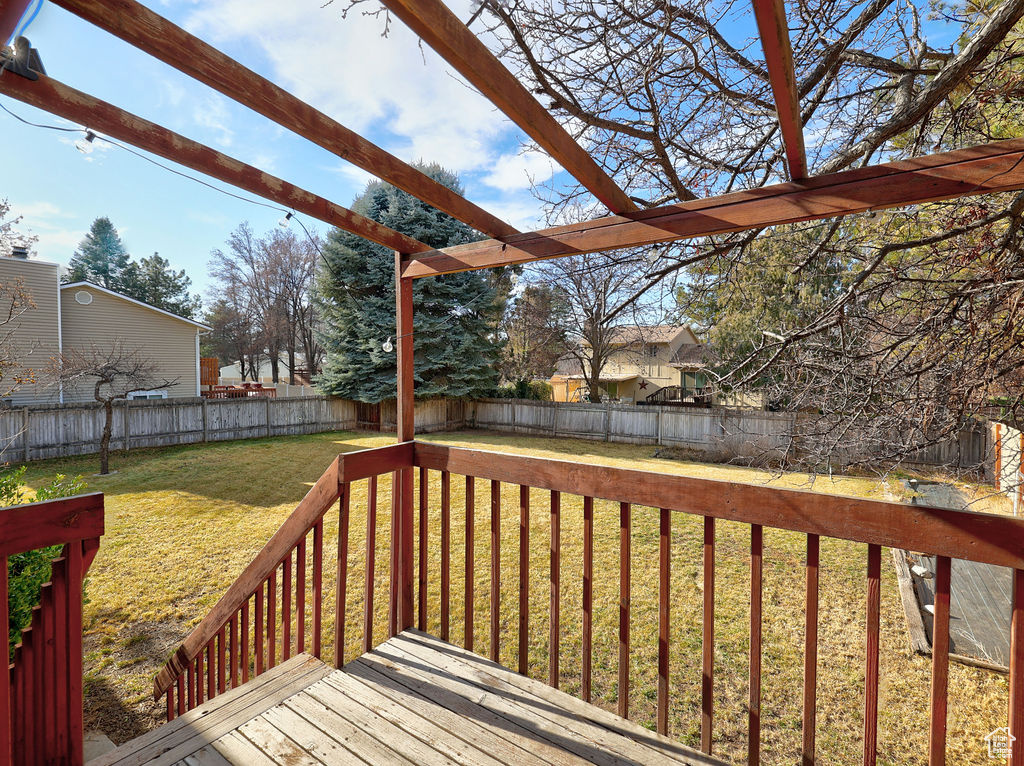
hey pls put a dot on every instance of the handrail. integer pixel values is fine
(52, 522)
(968, 535)
(347, 467)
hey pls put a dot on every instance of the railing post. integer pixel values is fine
(5, 675)
(402, 516)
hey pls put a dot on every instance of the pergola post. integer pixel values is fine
(10, 14)
(402, 490)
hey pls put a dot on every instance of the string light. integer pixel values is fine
(283, 223)
(654, 254)
(85, 144)
(387, 346)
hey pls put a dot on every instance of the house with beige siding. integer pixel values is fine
(82, 315)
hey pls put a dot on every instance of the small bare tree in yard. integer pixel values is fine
(114, 372)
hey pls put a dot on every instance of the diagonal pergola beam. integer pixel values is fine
(150, 32)
(995, 167)
(778, 55)
(59, 99)
(11, 12)
(439, 28)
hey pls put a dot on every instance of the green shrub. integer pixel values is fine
(26, 572)
(538, 390)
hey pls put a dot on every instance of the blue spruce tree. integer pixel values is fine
(455, 316)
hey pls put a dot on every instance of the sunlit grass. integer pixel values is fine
(183, 522)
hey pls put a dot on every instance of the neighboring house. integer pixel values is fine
(643, 360)
(80, 315)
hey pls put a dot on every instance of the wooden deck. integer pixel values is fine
(413, 700)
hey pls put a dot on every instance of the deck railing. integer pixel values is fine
(41, 694)
(945, 534)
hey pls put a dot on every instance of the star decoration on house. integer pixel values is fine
(643, 385)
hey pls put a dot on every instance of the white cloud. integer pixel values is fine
(521, 171)
(212, 113)
(56, 240)
(344, 67)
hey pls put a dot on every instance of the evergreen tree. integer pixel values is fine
(153, 281)
(101, 257)
(455, 316)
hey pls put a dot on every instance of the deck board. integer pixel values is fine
(413, 700)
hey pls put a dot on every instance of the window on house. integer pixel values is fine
(147, 395)
(694, 380)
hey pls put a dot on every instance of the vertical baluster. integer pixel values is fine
(940, 663)
(318, 587)
(871, 662)
(422, 563)
(556, 588)
(300, 596)
(811, 651)
(59, 578)
(625, 567)
(221, 661)
(664, 579)
(200, 696)
(1016, 677)
(707, 691)
(258, 629)
(181, 693)
(340, 596)
(233, 646)
(495, 567)
(524, 578)
(286, 607)
(48, 681)
(191, 685)
(446, 553)
(245, 641)
(211, 667)
(272, 619)
(371, 558)
(76, 724)
(19, 725)
(32, 639)
(754, 706)
(470, 512)
(6, 707)
(170, 704)
(588, 596)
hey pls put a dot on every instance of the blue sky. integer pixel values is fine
(390, 89)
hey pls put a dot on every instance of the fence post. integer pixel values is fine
(661, 411)
(206, 422)
(127, 425)
(267, 400)
(24, 432)
(608, 421)
(554, 420)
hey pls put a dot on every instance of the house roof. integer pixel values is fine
(693, 356)
(628, 334)
(114, 293)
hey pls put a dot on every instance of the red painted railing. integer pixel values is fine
(943, 533)
(41, 694)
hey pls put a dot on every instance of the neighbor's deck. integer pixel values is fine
(413, 700)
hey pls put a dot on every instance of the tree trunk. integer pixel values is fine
(108, 426)
(291, 362)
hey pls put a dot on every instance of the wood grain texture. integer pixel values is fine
(754, 701)
(1016, 718)
(664, 581)
(625, 585)
(588, 598)
(810, 693)
(940, 664)
(871, 658)
(446, 553)
(495, 637)
(53, 522)
(371, 562)
(524, 578)
(707, 687)
(554, 609)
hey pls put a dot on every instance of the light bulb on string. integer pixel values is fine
(387, 346)
(654, 254)
(283, 223)
(85, 144)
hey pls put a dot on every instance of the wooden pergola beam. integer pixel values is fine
(437, 26)
(59, 99)
(150, 32)
(983, 169)
(11, 12)
(778, 55)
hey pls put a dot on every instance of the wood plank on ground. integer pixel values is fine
(313, 740)
(238, 750)
(275, 743)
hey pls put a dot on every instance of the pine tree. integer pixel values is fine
(153, 281)
(101, 257)
(456, 350)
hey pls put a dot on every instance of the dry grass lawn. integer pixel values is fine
(183, 522)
